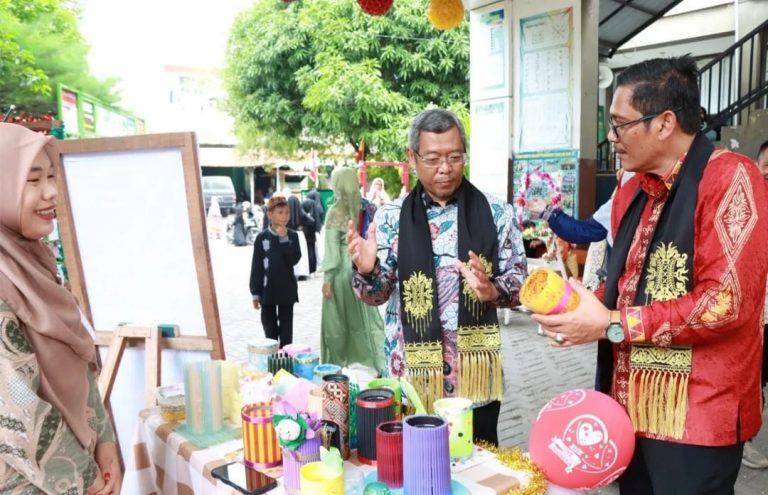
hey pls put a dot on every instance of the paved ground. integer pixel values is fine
(534, 372)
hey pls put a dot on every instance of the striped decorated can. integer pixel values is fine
(261, 448)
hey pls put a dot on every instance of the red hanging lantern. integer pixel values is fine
(375, 7)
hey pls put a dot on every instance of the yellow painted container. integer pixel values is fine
(261, 448)
(316, 479)
(545, 292)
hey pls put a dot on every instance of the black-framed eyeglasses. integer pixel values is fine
(452, 159)
(615, 127)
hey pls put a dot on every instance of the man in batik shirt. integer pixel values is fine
(446, 256)
(679, 323)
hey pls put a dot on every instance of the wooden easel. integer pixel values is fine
(92, 167)
(121, 336)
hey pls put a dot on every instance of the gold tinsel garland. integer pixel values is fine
(445, 14)
(515, 460)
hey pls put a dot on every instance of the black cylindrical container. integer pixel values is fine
(330, 435)
(374, 406)
(281, 360)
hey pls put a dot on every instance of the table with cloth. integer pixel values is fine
(163, 461)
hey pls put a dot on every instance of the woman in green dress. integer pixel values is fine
(351, 331)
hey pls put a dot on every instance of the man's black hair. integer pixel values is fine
(661, 84)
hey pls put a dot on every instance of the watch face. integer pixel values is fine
(615, 333)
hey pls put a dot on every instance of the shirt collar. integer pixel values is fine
(656, 186)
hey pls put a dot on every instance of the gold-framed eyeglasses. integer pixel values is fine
(434, 160)
(614, 127)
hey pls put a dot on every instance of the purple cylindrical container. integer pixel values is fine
(426, 458)
(308, 452)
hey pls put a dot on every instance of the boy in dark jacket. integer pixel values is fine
(273, 285)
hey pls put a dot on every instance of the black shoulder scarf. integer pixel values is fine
(667, 274)
(478, 340)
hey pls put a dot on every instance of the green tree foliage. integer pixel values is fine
(322, 74)
(40, 45)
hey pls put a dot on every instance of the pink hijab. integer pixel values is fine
(28, 284)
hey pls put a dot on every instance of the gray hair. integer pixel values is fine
(434, 120)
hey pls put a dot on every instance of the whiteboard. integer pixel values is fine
(134, 238)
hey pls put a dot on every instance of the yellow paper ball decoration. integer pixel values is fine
(445, 14)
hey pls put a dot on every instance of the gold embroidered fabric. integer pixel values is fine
(667, 274)
(658, 389)
(424, 361)
(474, 306)
(417, 296)
(480, 366)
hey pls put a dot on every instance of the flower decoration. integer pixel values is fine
(375, 7)
(515, 460)
(555, 198)
(445, 14)
(292, 427)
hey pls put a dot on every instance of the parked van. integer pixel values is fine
(220, 186)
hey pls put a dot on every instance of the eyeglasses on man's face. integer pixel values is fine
(614, 127)
(434, 160)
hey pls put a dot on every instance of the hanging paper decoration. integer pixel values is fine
(445, 14)
(375, 7)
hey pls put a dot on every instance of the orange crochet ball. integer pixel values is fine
(546, 292)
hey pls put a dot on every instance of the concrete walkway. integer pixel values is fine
(534, 371)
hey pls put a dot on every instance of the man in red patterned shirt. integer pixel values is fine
(679, 321)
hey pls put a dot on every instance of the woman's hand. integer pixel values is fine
(109, 465)
(327, 292)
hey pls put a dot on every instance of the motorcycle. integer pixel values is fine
(251, 225)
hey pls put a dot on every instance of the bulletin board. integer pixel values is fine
(132, 225)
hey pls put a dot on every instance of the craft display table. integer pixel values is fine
(165, 462)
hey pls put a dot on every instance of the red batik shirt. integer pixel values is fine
(721, 318)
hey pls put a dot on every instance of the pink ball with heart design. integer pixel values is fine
(582, 439)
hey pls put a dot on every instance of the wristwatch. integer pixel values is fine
(615, 330)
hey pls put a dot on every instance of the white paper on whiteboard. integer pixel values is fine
(130, 213)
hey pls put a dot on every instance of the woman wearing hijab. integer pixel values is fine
(377, 194)
(55, 434)
(296, 222)
(319, 214)
(351, 331)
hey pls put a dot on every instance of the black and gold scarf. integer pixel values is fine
(658, 377)
(478, 339)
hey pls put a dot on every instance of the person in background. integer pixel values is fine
(55, 435)
(310, 233)
(377, 194)
(445, 257)
(534, 247)
(258, 197)
(679, 320)
(351, 331)
(712, 134)
(273, 286)
(238, 225)
(319, 211)
(214, 218)
(753, 458)
(595, 230)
